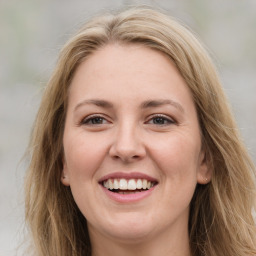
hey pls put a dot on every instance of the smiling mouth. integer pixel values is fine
(128, 186)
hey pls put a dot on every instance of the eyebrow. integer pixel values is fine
(97, 102)
(145, 104)
(161, 102)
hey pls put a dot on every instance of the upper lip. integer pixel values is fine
(125, 175)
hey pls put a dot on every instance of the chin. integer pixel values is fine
(128, 235)
(129, 229)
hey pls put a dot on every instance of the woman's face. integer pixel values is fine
(132, 144)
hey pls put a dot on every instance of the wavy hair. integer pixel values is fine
(220, 221)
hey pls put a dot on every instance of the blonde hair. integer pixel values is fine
(220, 221)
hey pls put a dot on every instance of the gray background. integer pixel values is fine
(31, 35)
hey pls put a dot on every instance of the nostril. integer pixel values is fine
(126, 158)
(126, 151)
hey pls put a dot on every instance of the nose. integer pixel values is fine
(127, 144)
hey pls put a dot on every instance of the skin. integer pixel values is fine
(126, 137)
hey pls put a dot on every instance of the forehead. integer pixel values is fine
(127, 71)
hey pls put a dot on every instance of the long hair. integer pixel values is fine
(220, 221)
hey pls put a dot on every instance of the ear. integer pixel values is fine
(65, 175)
(204, 173)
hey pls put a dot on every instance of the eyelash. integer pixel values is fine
(164, 118)
(90, 119)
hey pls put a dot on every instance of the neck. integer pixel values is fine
(175, 244)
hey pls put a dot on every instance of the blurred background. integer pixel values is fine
(31, 35)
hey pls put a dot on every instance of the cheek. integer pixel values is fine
(177, 161)
(83, 155)
(177, 155)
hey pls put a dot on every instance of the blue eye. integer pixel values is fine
(161, 120)
(94, 120)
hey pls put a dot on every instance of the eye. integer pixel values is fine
(94, 120)
(161, 120)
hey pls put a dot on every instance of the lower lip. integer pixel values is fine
(128, 198)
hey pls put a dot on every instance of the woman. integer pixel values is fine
(134, 149)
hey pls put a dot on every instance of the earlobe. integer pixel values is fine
(203, 179)
(64, 176)
(204, 173)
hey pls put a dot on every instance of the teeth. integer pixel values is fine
(122, 184)
(131, 184)
(139, 184)
(106, 184)
(116, 184)
(111, 185)
(128, 192)
(144, 184)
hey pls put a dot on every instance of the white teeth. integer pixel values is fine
(139, 184)
(105, 184)
(131, 184)
(116, 184)
(144, 184)
(111, 185)
(123, 184)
